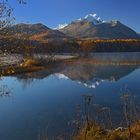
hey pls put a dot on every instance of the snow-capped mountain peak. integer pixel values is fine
(92, 18)
(61, 26)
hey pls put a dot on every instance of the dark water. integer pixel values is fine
(44, 103)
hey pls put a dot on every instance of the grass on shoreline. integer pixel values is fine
(28, 65)
(31, 65)
(96, 132)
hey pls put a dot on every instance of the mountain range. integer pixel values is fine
(86, 34)
(90, 26)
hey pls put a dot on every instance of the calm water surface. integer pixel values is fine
(44, 103)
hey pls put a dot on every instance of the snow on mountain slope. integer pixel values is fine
(90, 18)
(61, 26)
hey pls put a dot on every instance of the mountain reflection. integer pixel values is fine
(83, 71)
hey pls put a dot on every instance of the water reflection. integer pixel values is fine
(44, 102)
(82, 71)
(5, 91)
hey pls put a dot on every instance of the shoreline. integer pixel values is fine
(11, 64)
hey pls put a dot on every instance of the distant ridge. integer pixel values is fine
(32, 31)
(92, 26)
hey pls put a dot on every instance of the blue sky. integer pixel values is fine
(54, 12)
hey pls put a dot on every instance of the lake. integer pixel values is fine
(44, 103)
